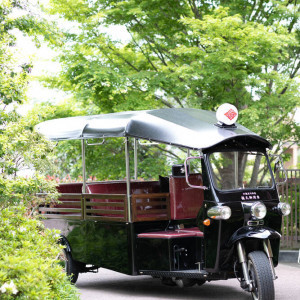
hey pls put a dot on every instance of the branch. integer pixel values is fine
(124, 59)
(167, 151)
(252, 10)
(165, 102)
(147, 56)
(195, 10)
(258, 10)
(292, 75)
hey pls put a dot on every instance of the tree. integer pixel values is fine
(28, 256)
(186, 54)
(20, 146)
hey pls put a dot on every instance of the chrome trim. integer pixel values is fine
(187, 175)
(280, 205)
(243, 260)
(135, 158)
(253, 223)
(268, 250)
(215, 212)
(83, 166)
(253, 208)
(128, 178)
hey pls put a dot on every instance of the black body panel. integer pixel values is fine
(174, 254)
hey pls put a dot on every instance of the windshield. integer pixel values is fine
(240, 170)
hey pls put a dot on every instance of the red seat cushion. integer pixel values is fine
(168, 234)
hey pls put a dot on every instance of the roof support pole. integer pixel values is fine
(135, 159)
(83, 166)
(128, 178)
(188, 153)
(236, 169)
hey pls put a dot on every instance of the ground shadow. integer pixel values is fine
(148, 287)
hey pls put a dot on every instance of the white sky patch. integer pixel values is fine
(43, 65)
(117, 33)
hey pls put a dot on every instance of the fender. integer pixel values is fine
(63, 241)
(247, 232)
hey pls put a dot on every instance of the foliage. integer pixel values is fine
(28, 256)
(23, 149)
(21, 16)
(188, 54)
(28, 265)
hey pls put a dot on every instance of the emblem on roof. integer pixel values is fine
(227, 114)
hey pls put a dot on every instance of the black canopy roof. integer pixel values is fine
(190, 128)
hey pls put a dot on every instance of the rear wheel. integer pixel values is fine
(69, 265)
(260, 274)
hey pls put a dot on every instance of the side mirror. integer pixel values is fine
(278, 167)
(187, 173)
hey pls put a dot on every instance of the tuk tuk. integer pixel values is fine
(187, 228)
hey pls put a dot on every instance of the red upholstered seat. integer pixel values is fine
(119, 187)
(185, 201)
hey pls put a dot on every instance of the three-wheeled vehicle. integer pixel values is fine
(187, 228)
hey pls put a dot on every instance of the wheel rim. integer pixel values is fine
(253, 279)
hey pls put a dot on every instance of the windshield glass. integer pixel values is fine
(240, 170)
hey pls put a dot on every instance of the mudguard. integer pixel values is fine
(63, 241)
(247, 232)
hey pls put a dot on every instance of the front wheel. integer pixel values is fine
(260, 274)
(69, 265)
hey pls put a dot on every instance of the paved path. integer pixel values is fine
(111, 285)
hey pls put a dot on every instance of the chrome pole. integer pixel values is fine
(188, 152)
(269, 252)
(135, 159)
(83, 166)
(128, 178)
(236, 170)
(243, 261)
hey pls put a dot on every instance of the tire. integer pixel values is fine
(260, 274)
(69, 265)
(200, 281)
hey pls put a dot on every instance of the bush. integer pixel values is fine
(28, 259)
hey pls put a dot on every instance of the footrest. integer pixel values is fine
(180, 274)
(168, 234)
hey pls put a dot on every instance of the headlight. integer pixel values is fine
(258, 210)
(284, 208)
(219, 212)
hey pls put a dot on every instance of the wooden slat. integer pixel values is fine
(150, 196)
(152, 211)
(161, 218)
(104, 211)
(138, 214)
(57, 216)
(112, 204)
(126, 210)
(58, 209)
(105, 218)
(105, 196)
(70, 196)
(73, 203)
(152, 203)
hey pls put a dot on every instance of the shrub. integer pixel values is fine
(28, 259)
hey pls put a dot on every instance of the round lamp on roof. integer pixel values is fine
(227, 114)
